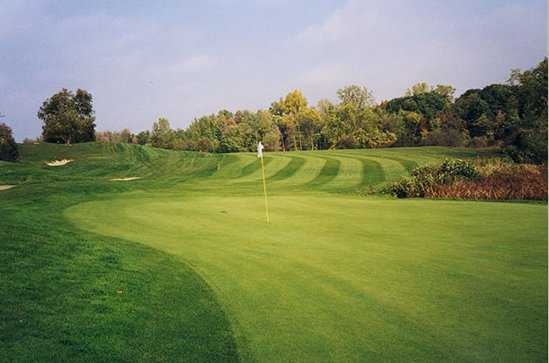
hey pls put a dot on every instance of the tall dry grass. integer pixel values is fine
(499, 181)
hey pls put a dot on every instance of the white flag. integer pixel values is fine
(260, 150)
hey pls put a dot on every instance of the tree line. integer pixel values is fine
(512, 116)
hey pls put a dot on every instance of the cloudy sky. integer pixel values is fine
(183, 59)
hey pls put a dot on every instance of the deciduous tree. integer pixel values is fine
(162, 135)
(8, 146)
(68, 117)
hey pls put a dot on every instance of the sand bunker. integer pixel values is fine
(58, 162)
(6, 187)
(126, 179)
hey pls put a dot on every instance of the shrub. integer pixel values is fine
(424, 178)
(486, 179)
(535, 153)
(458, 168)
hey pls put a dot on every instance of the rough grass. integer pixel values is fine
(180, 266)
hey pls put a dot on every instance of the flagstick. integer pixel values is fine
(265, 190)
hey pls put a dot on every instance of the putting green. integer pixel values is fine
(342, 278)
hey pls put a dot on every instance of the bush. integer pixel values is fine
(531, 148)
(486, 179)
(458, 168)
(506, 182)
(8, 147)
(424, 178)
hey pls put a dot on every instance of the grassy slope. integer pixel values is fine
(335, 275)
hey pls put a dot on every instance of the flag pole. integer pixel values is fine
(265, 190)
(260, 156)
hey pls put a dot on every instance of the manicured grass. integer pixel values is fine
(335, 276)
(356, 279)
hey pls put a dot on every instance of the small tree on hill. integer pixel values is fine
(8, 147)
(144, 137)
(162, 135)
(68, 117)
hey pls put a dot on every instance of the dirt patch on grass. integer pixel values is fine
(6, 187)
(58, 162)
(126, 179)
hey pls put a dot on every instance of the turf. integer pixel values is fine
(336, 276)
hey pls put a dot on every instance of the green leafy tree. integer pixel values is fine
(358, 96)
(267, 130)
(531, 131)
(418, 89)
(285, 111)
(162, 135)
(490, 113)
(450, 130)
(8, 146)
(445, 90)
(309, 123)
(355, 122)
(68, 117)
(426, 104)
(230, 134)
(409, 129)
(143, 137)
(126, 136)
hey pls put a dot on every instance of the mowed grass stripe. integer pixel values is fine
(392, 170)
(232, 166)
(272, 163)
(310, 169)
(371, 172)
(348, 176)
(289, 170)
(410, 158)
(328, 173)
(408, 164)
(253, 166)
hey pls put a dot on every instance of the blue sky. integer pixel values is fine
(183, 59)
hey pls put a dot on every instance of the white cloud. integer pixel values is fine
(390, 45)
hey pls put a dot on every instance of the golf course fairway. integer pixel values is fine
(339, 274)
